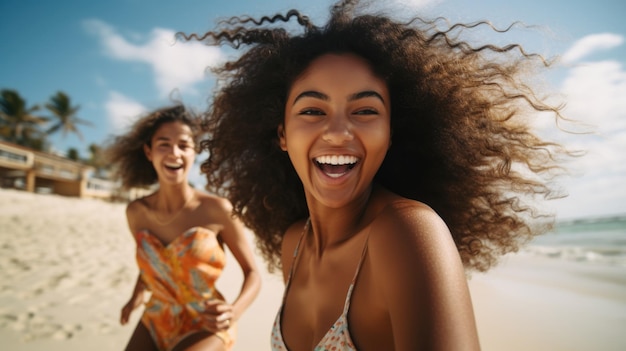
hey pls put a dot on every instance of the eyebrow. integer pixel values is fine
(162, 138)
(321, 96)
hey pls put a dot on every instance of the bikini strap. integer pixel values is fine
(346, 305)
(306, 229)
(307, 225)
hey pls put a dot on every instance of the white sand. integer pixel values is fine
(537, 303)
(67, 267)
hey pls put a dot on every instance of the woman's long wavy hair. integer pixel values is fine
(462, 140)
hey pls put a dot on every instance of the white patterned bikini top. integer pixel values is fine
(338, 337)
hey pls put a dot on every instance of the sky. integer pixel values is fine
(118, 59)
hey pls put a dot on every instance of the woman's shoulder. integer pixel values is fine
(294, 232)
(292, 235)
(214, 201)
(397, 211)
(137, 212)
(408, 237)
(139, 205)
(214, 208)
(410, 224)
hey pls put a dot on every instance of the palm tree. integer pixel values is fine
(72, 154)
(96, 157)
(18, 124)
(64, 115)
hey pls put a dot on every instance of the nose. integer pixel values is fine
(338, 129)
(175, 150)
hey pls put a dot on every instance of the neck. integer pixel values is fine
(170, 202)
(172, 198)
(332, 226)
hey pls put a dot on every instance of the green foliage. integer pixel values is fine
(96, 157)
(64, 115)
(72, 154)
(18, 123)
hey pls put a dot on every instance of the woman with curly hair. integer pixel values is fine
(180, 234)
(376, 160)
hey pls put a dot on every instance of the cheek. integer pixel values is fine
(378, 143)
(380, 135)
(381, 153)
(297, 148)
(295, 137)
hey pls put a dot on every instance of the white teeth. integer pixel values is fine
(173, 165)
(336, 160)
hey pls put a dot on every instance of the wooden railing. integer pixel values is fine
(12, 157)
(37, 171)
(54, 167)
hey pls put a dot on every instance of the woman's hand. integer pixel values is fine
(129, 307)
(218, 315)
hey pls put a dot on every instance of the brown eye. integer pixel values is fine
(367, 111)
(312, 112)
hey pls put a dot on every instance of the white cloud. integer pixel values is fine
(417, 3)
(176, 65)
(122, 111)
(401, 8)
(595, 93)
(590, 44)
(594, 197)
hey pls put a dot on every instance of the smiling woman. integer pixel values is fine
(375, 160)
(336, 130)
(180, 234)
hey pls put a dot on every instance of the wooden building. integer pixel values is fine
(36, 171)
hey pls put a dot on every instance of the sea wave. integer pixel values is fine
(609, 255)
(592, 240)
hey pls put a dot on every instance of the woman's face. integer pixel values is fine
(172, 152)
(337, 128)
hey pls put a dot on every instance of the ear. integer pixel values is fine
(148, 152)
(281, 137)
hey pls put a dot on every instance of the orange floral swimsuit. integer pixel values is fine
(181, 277)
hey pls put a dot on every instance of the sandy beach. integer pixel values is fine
(67, 267)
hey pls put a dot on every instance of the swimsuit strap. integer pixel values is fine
(346, 305)
(307, 225)
(305, 230)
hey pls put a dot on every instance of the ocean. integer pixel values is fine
(595, 240)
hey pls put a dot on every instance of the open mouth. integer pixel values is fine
(336, 165)
(173, 166)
